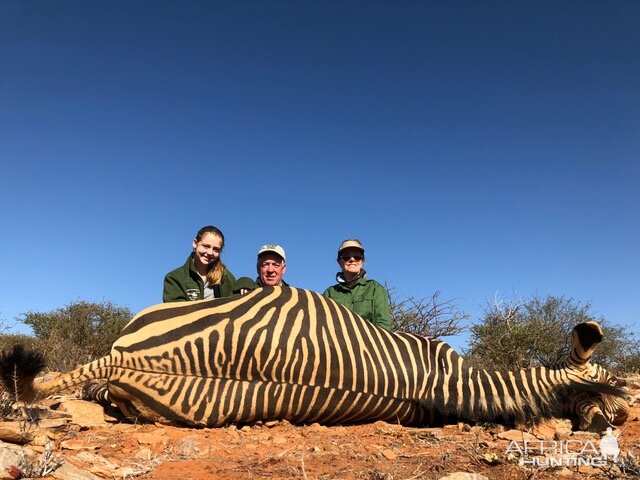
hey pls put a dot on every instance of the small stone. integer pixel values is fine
(147, 438)
(428, 433)
(563, 472)
(75, 444)
(490, 458)
(388, 454)
(516, 435)
(464, 476)
(60, 423)
(13, 472)
(188, 447)
(279, 440)
(67, 471)
(83, 413)
(143, 454)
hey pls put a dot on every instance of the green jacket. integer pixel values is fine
(184, 284)
(366, 297)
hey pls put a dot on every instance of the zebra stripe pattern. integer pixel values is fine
(286, 353)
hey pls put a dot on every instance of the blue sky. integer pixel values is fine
(476, 148)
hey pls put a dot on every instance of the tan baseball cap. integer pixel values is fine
(272, 247)
(351, 243)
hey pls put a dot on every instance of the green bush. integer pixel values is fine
(77, 333)
(516, 335)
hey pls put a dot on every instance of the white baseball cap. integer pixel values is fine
(272, 247)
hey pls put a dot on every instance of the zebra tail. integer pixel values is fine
(19, 367)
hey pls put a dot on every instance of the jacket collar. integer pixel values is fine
(361, 279)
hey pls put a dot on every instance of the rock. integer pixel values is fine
(517, 435)
(75, 444)
(41, 438)
(83, 413)
(563, 472)
(464, 476)
(188, 447)
(97, 465)
(426, 433)
(57, 424)
(388, 454)
(143, 454)
(13, 473)
(15, 435)
(67, 471)
(148, 438)
(491, 458)
(553, 429)
(279, 440)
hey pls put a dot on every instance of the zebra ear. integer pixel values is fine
(586, 337)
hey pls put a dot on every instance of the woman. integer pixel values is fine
(203, 275)
(355, 291)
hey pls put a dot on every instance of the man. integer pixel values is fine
(271, 266)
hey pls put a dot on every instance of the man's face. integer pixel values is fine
(271, 268)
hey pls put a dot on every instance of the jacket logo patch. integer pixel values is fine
(193, 293)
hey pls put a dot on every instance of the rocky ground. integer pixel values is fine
(66, 438)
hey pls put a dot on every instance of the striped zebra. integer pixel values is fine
(287, 353)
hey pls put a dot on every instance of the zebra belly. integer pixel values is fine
(214, 402)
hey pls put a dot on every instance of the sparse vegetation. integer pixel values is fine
(74, 334)
(538, 332)
(427, 316)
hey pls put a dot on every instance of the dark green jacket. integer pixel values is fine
(366, 297)
(184, 284)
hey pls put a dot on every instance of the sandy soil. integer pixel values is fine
(377, 451)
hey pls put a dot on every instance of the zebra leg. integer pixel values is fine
(596, 412)
(100, 393)
(97, 392)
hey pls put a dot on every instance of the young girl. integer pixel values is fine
(203, 275)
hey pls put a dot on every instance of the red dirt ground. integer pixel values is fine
(377, 451)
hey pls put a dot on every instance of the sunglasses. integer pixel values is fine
(346, 258)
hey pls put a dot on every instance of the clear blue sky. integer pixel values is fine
(474, 147)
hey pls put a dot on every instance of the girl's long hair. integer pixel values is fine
(216, 270)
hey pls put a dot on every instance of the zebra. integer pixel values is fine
(286, 353)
